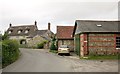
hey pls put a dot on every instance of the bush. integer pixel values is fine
(53, 47)
(5, 36)
(40, 45)
(10, 52)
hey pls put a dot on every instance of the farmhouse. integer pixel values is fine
(64, 36)
(29, 35)
(96, 37)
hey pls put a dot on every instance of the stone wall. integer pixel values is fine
(68, 42)
(17, 37)
(32, 42)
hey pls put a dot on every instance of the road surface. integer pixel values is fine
(33, 60)
(40, 60)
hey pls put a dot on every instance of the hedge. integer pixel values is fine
(10, 52)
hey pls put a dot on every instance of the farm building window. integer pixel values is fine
(117, 42)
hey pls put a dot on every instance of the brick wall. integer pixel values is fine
(101, 43)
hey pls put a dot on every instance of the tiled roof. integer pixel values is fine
(14, 30)
(64, 32)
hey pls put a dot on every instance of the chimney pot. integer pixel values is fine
(48, 26)
(10, 24)
(35, 22)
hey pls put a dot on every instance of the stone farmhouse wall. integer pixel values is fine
(32, 42)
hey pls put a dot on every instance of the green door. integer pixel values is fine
(77, 44)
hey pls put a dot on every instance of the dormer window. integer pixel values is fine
(26, 31)
(9, 32)
(19, 31)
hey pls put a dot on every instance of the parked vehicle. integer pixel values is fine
(63, 49)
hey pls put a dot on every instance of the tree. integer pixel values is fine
(53, 47)
(5, 36)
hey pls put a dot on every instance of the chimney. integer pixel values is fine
(10, 24)
(35, 22)
(48, 26)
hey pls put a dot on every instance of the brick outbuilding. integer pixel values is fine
(96, 37)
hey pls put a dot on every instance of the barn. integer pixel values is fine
(96, 37)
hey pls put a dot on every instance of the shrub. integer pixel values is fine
(0, 54)
(5, 36)
(53, 51)
(10, 52)
(40, 45)
(53, 47)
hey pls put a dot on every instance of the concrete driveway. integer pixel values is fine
(40, 60)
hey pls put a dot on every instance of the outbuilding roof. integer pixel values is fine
(82, 26)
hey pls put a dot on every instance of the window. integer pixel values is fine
(19, 31)
(26, 31)
(117, 42)
(9, 32)
(99, 25)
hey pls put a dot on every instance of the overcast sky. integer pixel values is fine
(57, 12)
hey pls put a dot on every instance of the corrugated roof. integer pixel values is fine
(64, 32)
(96, 26)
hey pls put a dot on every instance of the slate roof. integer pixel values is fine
(41, 32)
(96, 26)
(64, 32)
(23, 28)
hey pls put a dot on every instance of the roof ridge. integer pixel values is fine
(99, 20)
(22, 25)
(65, 26)
(43, 30)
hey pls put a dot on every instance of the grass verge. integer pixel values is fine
(53, 51)
(102, 57)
